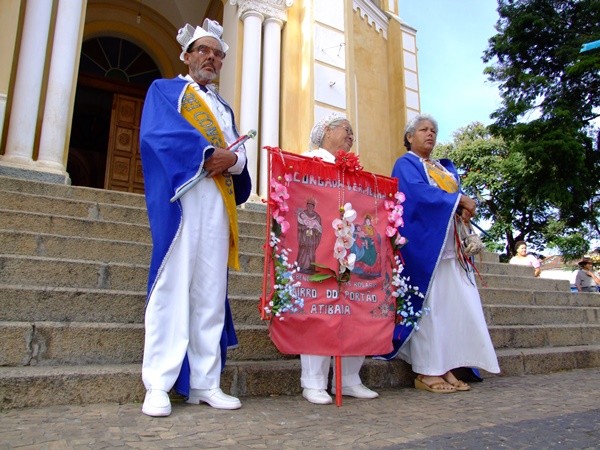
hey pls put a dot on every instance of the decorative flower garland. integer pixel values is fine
(403, 291)
(284, 298)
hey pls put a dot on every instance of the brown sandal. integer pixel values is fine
(439, 387)
(460, 385)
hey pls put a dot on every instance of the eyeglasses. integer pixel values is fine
(348, 130)
(205, 50)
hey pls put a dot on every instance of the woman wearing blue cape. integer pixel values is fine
(451, 332)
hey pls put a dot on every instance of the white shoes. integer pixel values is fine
(156, 403)
(358, 391)
(214, 397)
(317, 396)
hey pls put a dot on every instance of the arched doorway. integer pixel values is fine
(114, 75)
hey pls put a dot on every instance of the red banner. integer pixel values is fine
(330, 263)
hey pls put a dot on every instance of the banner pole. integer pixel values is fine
(338, 380)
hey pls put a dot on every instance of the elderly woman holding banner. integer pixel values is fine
(451, 332)
(330, 134)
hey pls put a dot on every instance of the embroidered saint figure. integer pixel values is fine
(309, 236)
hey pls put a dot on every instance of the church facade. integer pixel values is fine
(75, 74)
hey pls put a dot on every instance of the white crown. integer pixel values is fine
(185, 35)
(189, 34)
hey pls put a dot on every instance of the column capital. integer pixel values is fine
(269, 9)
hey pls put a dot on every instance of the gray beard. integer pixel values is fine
(202, 74)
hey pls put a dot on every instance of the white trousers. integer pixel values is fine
(186, 310)
(315, 371)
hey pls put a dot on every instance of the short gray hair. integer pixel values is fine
(411, 126)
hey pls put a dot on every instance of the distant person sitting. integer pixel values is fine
(586, 280)
(523, 259)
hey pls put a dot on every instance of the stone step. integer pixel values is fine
(80, 343)
(110, 249)
(100, 229)
(27, 243)
(510, 296)
(92, 203)
(85, 209)
(525, 361)
(247, 309)
(498, 268)
(541, 315)
(62, 191)
(525, 283)
(74, 343)
(21, 303)
(552, 335)
(41, 271)
(76, 227)
(36, 386)
(36, 304)
(486, 257)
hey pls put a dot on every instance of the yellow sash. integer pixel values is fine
(195, 110)
(441, 176)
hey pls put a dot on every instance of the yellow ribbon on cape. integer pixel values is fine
(441, 176)
(195, 110)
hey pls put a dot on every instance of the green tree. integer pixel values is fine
(497, 178)
(537, 62)
(551, 95)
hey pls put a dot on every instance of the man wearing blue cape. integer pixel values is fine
(194, 178)
(451, 332)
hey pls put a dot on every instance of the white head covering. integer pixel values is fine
(318, 130)
(188, 34)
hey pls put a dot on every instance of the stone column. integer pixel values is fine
(253, 13)
(251, 88)
(59, 98)
(271, 77)
(28, 85)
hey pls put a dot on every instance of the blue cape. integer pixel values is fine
(428, 212)
(173, 153)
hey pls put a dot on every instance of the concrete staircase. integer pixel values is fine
(73, 270)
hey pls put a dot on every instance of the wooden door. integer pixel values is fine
(123, 162)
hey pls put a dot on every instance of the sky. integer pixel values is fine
(451, 38)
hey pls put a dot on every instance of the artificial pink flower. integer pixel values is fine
(339, 250)
(390, 231)
(389, 204)
(348, 263)
(278, 190)
(285, 226)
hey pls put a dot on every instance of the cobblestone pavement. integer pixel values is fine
(560, 410)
